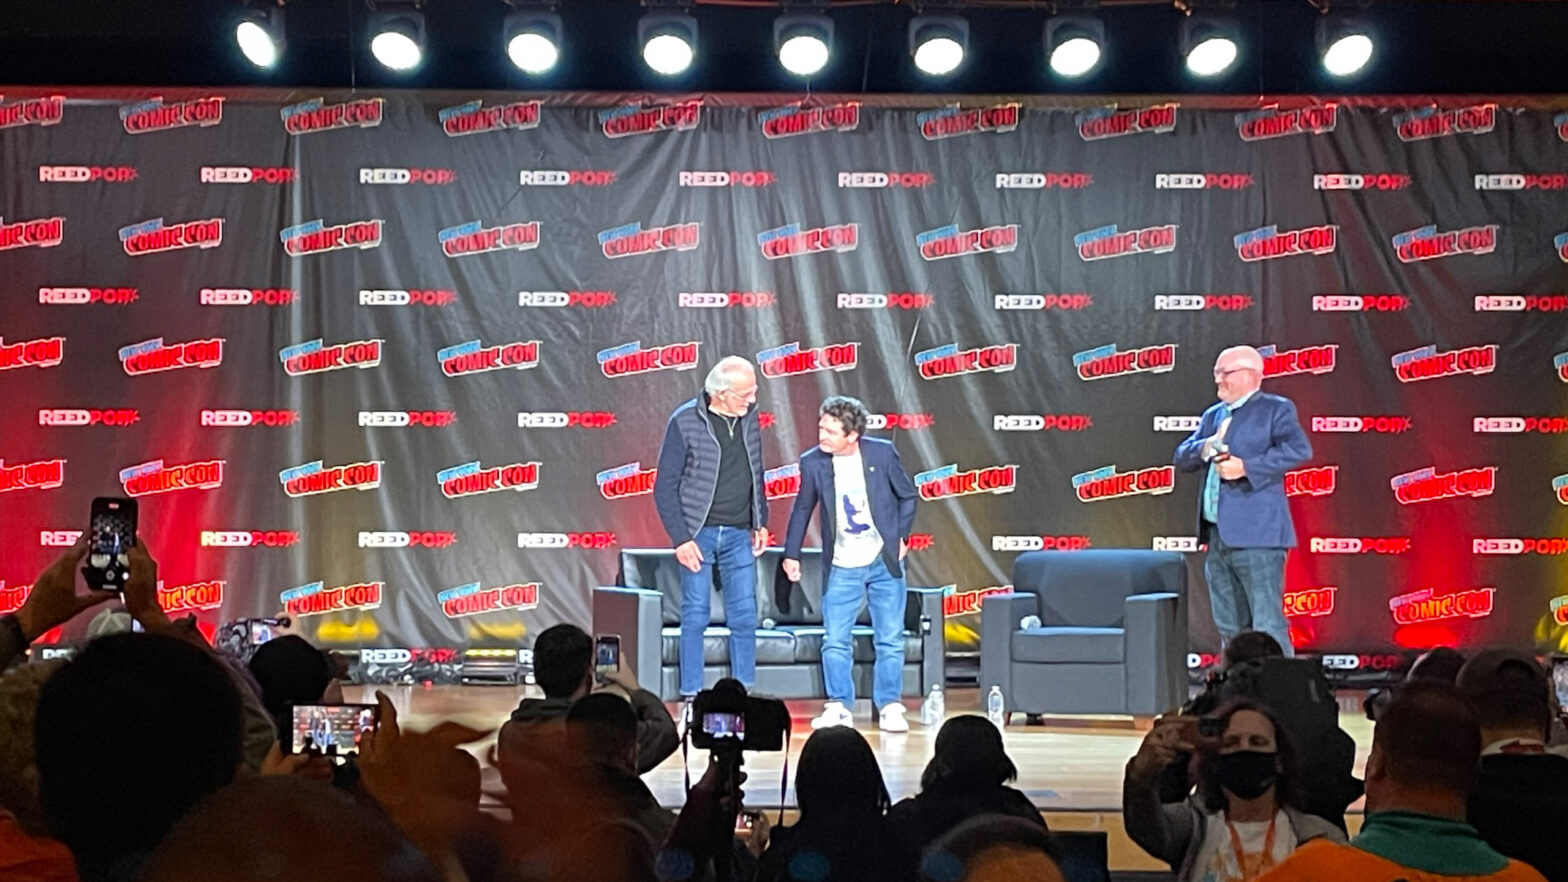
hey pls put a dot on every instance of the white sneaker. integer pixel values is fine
(892, 718)
(834, 713)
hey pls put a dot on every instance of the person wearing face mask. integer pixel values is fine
(1245, 817)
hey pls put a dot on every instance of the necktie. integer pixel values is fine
(1211, 482)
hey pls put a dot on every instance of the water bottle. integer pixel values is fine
(931, 712)
(993, 708)
(1028, 622)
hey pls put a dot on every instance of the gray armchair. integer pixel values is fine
(1112, 637)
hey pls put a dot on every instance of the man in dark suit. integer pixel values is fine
(868, 509)
(1245, 442)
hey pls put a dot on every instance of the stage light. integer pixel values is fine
(803, 42)
(938, 43)
(397, 36)
(1345, 43)
(1072, 43)
(1209, 43)
(533, 40)
(259, 34)
(668, 40)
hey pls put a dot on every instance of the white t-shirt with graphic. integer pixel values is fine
(858, 544)
(1217, 860)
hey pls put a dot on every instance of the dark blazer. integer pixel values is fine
(1266, 435)
(888, 487)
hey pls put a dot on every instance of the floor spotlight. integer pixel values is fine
(397, 35)
(803, 42)
(1209, 44)
(533, 40)
(668, 40)
(1345, 44)
(259, 34)
(1073, 44)
(938, 43)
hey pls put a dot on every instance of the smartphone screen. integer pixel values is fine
(722, 725)
(607, 654)
(111, 533)
(332, 729)
(1560, 681)
(745, 822)
(262, 630)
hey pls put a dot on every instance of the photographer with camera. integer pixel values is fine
(1246, 816)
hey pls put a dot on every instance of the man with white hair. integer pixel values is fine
(710, 498)
(1244, 443)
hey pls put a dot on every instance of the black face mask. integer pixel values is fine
(1247, 773)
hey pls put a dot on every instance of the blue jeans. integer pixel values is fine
(1247, 590)
(728, 548)
(840, 605)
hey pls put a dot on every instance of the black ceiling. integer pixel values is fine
(1424, 47)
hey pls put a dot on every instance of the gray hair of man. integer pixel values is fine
(724, 374)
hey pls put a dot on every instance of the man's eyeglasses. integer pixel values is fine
(1220, 375)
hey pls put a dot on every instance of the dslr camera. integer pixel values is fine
(725, 718)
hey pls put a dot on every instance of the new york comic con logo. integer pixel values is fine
(1425, 485)
(1271, 122)
(44, 352)
(314, 599)
(1426, 243)
(949, 361)
(43, 232)
(1558, 605)
(45, 111)
(1267, 243)
(1108, 241)
(627, 480)
(1426, 363)
(1110, 122)
(312, 478)
(949, 241)
(11, 599)
(473, 358)
(1429, 122)
(1311, 602)
(43, 474)
(782, 482)
(148, 478)
(783, 122)
(791, 241)
(473, 479)
(153, 115)
(152, 236)
(950, 122)
(476, 238)
(315, 237)
(312, 357)
(1560, 243)
(1106, 361)
(630, 239)
(1559, 363)
(473, 600)
(153, 356)
(1306, 360)
(947, 481)
(1427, 605)
(631, 358)
(1312, 481)
(1561, 122)
(790, 360)
(635, 119)
(1560, 488)
(473, 117)
(203, 595)
(1107, 483)
(317, 116)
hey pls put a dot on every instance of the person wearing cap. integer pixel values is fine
(1520, 803)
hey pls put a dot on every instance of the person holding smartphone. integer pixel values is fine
(1245, 818)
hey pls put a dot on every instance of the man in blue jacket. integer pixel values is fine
(710, 499)
(1245, 442)
(868, 509)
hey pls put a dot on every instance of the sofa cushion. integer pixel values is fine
(773, 647)
(1103, 646)
(808, 644)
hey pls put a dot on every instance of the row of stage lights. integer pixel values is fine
(803, 42)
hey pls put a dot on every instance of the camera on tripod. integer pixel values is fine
(725, 718)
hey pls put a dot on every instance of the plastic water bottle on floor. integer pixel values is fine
(932, 712)
(993, 708)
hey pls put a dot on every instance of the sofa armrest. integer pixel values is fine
(999, 616)
(1156, 662)
(923, 615)
(636, 614)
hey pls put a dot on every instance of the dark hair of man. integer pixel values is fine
(948, 857)
(1251, 646)
(1287, 786)
(601, 726)
(1441, 663)
(849, 412)
(839, 777)
(1429, 739)
(1517, 699)
(562, 656)
(968, 755)
(132, 733)
(289, 671)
